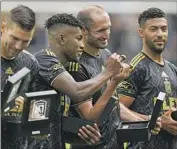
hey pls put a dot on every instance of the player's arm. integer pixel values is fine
(128, 90)
(90, 112)
(127, 114)
(78, 91)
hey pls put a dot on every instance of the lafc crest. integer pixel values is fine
(38, 109)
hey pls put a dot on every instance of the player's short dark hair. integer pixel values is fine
(150, 14)
(63, 18)
(23, 16)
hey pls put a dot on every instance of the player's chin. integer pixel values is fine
(103, 46)
(159, 50)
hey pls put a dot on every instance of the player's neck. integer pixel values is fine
(91, 50)
(62, 58)
(156, 57)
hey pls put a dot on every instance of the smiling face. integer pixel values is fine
(155, 34)
(14, 40)
(99, 31)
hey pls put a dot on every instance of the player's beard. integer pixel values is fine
(93, 42)
(151, 45)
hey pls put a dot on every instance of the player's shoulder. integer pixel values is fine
(45, 54)
(26, 53)
(171, 65)
(27, 56)
(74, 66)
(139, 61)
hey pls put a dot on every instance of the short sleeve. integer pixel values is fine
(49, 67)
(132, 85)
(77, 71)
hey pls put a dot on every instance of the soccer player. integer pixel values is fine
(16, 33)
(150, 74)
(65, 42)
(96, 34)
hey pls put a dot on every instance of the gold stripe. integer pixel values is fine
(70, 65)
(62, 100)
(136, 58)
(47, 52)
(77, 66)
(137, 61)
(73, 69)
(51, 53)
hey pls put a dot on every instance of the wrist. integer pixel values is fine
(114, 82)
(147, 117)
(108, 74)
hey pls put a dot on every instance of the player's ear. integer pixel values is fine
(141, 32)
(3, 27)
(61, 39)
(84, 31)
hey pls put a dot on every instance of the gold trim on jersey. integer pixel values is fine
(49, 52)
(65, 104)
(136, 60)
(73, 66)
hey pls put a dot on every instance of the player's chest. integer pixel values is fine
(162, 78)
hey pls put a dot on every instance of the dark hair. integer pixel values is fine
(23, 16)
(63, 18)
(150, 14)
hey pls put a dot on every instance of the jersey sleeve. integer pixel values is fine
(132, 85)
(77, 71)
(49, 67)
(173, 67)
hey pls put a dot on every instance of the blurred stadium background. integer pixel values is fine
(124, 37)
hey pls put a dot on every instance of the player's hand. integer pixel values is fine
(113, 65)
(168, 123)
(19, 101)
(125, 72)
(91, 135)
(157, 127)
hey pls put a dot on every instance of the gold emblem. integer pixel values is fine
(167, 84)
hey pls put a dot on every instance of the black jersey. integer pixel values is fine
(88, 68)
(8, 68)
(145, 82)
(50, 69)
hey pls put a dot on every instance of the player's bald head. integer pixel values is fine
(89, 13)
